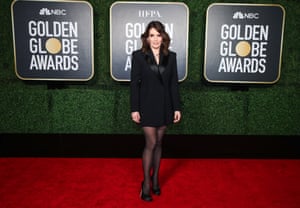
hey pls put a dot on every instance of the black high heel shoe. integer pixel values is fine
(155, 190)
(145, 197)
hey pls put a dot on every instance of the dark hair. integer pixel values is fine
(159, 27)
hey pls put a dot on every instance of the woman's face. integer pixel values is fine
(154, 39)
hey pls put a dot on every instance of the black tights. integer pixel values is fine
(152, 155)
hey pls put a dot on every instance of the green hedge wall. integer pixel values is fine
(101, 105)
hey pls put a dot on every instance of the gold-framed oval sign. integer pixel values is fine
(53, 40)
(243, 43)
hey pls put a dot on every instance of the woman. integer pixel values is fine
(154, 98)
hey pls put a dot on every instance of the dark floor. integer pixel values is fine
(174, 146)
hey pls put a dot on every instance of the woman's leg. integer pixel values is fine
(150, 142)
(160, 131)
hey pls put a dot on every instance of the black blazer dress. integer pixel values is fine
(154, 88)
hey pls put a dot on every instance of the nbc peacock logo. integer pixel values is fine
(241, 15)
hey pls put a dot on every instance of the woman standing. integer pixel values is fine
(154, 97)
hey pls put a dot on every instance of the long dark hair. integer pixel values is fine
(159, 27)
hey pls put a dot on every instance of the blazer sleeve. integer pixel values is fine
(135, 82)
(175, 85)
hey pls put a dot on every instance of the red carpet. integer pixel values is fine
(115, 182)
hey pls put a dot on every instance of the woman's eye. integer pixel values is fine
(152, 35)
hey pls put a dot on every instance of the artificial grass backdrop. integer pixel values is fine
(101, 105)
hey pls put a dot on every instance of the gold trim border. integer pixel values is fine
(147, 2)
(281, 45)
(92, 40)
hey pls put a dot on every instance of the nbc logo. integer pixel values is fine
(240, 15)
(48, 12)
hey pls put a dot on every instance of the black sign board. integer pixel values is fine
(128, 21)
(53, 40)
(243, 43)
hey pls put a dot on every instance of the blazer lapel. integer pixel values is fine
(160, 68)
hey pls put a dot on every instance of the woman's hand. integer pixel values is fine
(177, 116)
(135, 116)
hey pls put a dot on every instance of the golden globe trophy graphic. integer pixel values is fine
(243, 43)
(53, 40)
(243, 48)
(53, 45)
